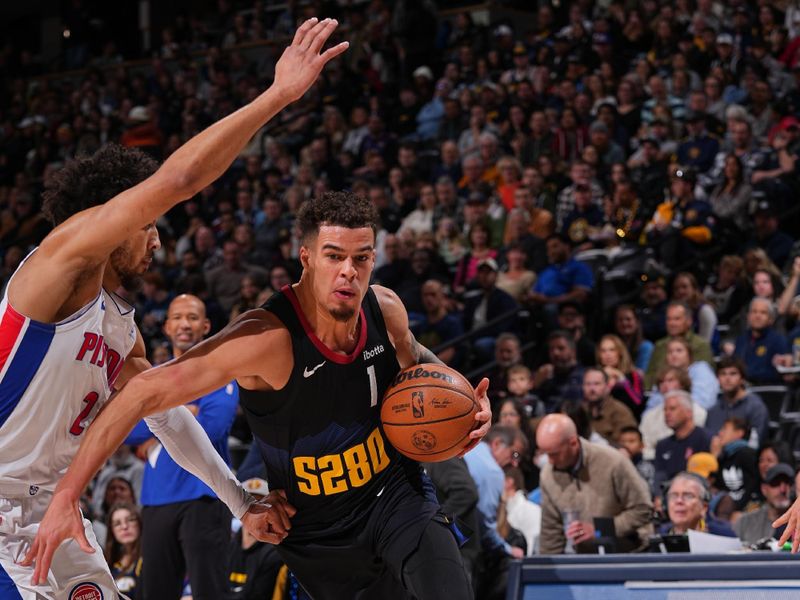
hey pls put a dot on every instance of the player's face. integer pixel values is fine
(124, 526)
(186, 323)
(133, 258)
(340, 261)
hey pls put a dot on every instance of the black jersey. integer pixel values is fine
(320, 434)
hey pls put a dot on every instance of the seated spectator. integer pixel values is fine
(776, 488)
(506, 355)
(608, 415)
(572, 320)
(515, 279)
(632, 445)
(735, 401)
(686, 289)
(738, 473)
(687, 507)
(679, 325)
(564, 279)
(628, 328)
(248, 297)
(225, 282)
(520, 384)
(589, 481)
(705, 386)
(771, 453)
(760, 343)
(421, 218)
(518, 416)
(562, 377)
(480, 249)
(252, 566)
(727, 291)
(686, 439)
(766, 234)
(450, 243)
(422, 268)
(627, 384)
(652, 425)
(699, 148)
(521, 513)
(437, 324)
(653, 312)
(123, 546)
(486, 305)
(731, 197)
(581, 222)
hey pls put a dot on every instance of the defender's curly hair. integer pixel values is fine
(92, 180)
(344, 209)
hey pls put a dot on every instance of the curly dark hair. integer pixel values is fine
(92, 180)
(344, 209)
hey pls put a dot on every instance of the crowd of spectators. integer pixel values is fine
(594, 203)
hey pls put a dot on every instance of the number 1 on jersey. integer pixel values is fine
(373, 386)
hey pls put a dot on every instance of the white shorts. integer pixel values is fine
(74, 574)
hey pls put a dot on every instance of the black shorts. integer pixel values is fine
(367, 561)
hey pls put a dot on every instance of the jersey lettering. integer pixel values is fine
(336, 473)
(101, 355)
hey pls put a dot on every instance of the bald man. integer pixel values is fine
(593, 481)
(186, 528)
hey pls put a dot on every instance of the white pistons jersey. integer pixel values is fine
(54, 378)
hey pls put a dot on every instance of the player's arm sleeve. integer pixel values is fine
(187, 443)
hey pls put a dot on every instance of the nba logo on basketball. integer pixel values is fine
(418, 404)
(86, 591)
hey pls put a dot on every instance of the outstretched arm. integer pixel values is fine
(89, 237)
(236, 352)
(411, 352)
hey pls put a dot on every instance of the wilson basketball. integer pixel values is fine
(428, 412)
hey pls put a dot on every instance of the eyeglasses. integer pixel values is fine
(126, 521)
(685, 496)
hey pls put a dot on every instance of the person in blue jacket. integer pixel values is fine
(759, 343)
(186, 527)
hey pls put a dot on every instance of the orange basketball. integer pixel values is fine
(428, 412)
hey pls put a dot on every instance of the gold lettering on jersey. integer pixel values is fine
(336, 473)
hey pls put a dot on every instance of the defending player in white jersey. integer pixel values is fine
(66, 340)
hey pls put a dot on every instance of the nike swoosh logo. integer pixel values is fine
(379, 493)
(307, 373)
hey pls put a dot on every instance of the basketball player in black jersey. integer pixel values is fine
(354, 518)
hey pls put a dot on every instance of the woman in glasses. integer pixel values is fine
(123, 551)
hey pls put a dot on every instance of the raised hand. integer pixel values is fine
(269, 519)
(62, 521)
(301, 62)
(483, 418)
(791, 518)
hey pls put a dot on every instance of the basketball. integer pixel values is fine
(428, 412)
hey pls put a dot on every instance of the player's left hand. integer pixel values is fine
(268, 520)
(791, 518)
(482, 417)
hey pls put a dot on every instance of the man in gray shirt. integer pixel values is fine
(776, 488)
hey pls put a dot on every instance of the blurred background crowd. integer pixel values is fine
(591, 203)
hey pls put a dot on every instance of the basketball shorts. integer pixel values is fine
(368, 560)
(74, 574)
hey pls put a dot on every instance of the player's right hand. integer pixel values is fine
(62, 521)
(269, 518)
(301, 62)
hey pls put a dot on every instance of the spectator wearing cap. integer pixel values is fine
(738, 468)
(776, 488)
(682, 224)
(485, 305)
(698, 149)
(736, 401)
(522, 69)
(143, 132)
(253, 566)
(731, 197)
(608, 150)
(564, 279)
(760, 342)
(583, 221)
(703, 464)
(687, 508)
(580, 173)
(766, 234)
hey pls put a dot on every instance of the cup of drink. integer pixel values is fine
(568, 516)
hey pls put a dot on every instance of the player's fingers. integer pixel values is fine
(795, 543)
(27, 561)
(301, 32)
(290, 510)
(334, 51)
(83, 542)
(279, 519)
(309, 38)
(43, 560)
(321, 36)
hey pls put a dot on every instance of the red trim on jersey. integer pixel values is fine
(10, 327)
(341, 359)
